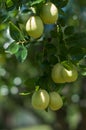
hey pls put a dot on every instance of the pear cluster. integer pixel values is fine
(41, 100)
(61, 74)
(35, 24)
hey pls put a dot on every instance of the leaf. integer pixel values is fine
(61, 12)
(9, 2)
(63, 3)
(83, 73)
(3, 15)
(69, 30)
(21, 54)
(77, 52)
(82, 69)
(67, 64)
(13, 48)
(77, 39)
(15, 32)
(82, 66)
(61, 20)
(24, 94)
(37, 2)
(30, 84)
(50, 49)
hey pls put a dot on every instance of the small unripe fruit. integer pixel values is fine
(56, 73)
(34, 27)
(49, 13)
(55, 101)
(70, 75)
(40, 99)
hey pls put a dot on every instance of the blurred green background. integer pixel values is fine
(16, 112)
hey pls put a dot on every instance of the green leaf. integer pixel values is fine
(77, 39)
(75, 50)
(61, 12)
(21, 54)
(30, 84)
(82, 69)
(24, 94)
(60, 3)
(9, 3)
(83, 73)
(77, 53)
(13, 48)
(67, 64)
(62, 21)
(69, 30)
(3, 15)
(50, 49)
(82, 66)
(15, 33)
(37, 2)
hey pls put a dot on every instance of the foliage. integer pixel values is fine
(63, 42)
(26, 63)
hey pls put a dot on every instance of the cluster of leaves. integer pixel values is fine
(60, 43)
